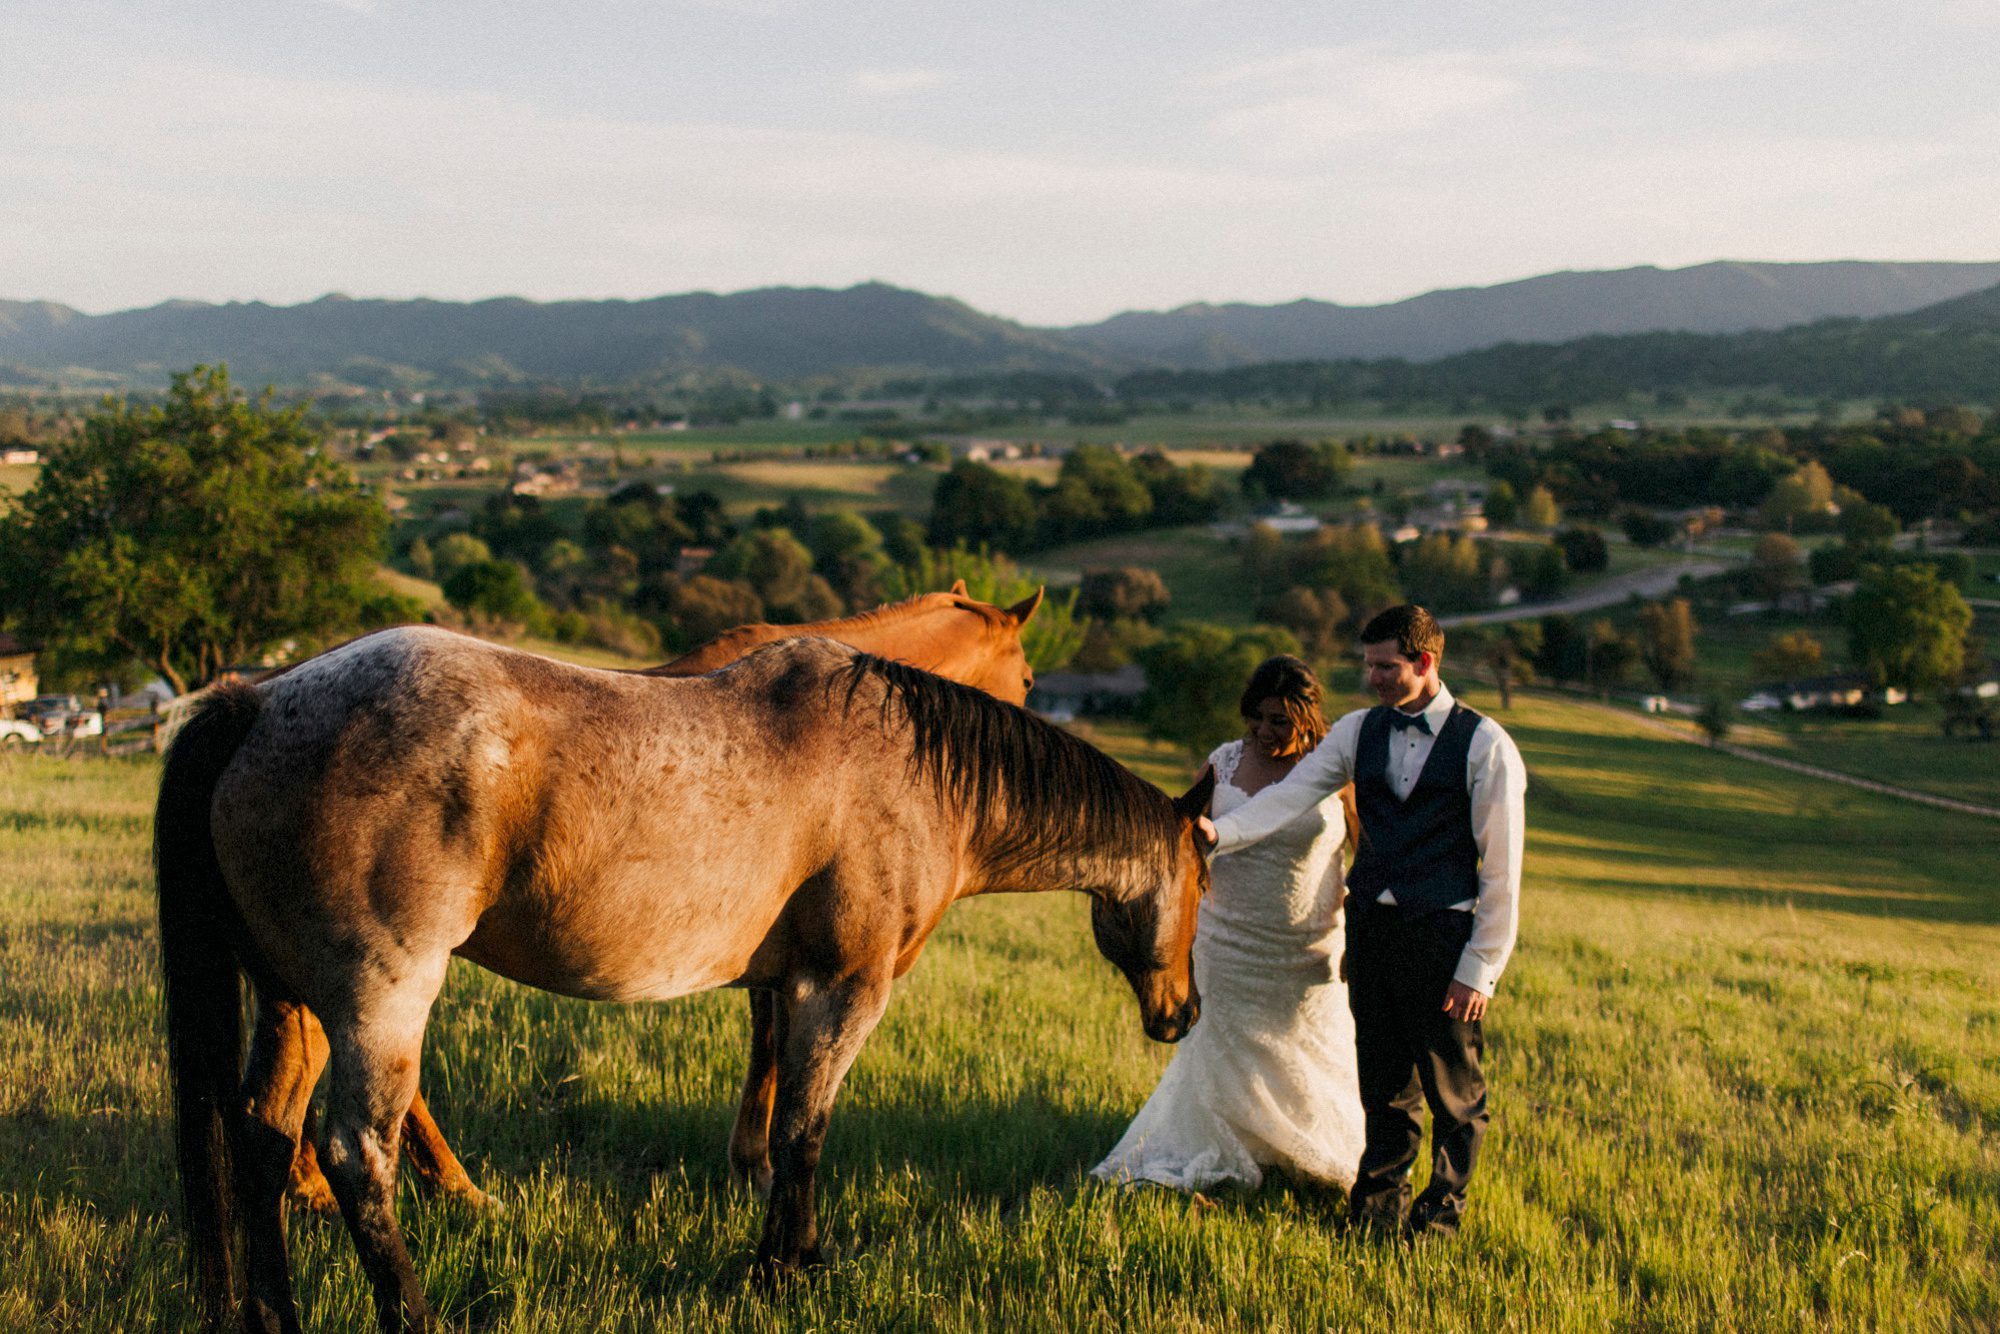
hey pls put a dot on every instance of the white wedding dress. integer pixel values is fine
(1267, 1077)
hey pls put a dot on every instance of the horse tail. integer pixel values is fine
(199, 929)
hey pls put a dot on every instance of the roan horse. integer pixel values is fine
(798, 821)
(951, 634)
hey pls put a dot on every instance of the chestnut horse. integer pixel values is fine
(798, 821)
(951, 634)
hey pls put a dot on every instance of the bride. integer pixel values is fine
(1267, 1077)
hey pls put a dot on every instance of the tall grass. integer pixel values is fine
(1746, 1073)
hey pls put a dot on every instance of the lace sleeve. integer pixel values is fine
(1225, 757)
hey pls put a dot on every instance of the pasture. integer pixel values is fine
(1746, 1069)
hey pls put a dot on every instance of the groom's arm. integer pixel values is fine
(1318, 776)
(1498, 783)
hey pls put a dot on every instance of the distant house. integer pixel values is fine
(18, 681)
(1290, 517)
(20, 455)
(689, 561)
(1066, 695)
(1842, 690)
(985, 451)
(1982, 682)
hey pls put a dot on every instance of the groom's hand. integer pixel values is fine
(1463, 1003)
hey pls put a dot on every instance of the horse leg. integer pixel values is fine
(374, 1079)
(286, 1054)
(435, 1166)
(750, 1141)
(298, 1043)
(824, 1029)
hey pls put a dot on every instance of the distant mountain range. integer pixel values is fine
(799, 333)
(1725, 297)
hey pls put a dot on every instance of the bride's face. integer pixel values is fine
(1270, 728)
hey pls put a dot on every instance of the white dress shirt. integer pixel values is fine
(1495, 779)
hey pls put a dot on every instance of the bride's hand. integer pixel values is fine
(1206, 828)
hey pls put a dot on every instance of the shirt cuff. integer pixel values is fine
(1475, 972)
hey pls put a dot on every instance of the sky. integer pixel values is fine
(1051, 162)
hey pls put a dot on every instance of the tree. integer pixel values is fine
(1646, 529)
(1777, 567)
(1563, 653)
(1867, 525)
(705, 606)
(1294, 470)
(1195, 676)
(1612, 655)
(1796, 501)
(779, 569)
(1315, 616)
(1584, 550)
(1442, 572)
(1788, 657)
(1125, 593)
(494, 591)
(982, 506)
(1541, 569)
(1540, 511)
(1503, 504)
(201, 532)
(1714, 720)
(1906, 626)
(1509, 656)
(1666, 641)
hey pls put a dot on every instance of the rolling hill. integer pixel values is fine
(795, 333)
(1725, 297)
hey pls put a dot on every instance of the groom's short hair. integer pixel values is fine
(1415, 631)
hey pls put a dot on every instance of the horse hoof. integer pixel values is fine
(469, 1196)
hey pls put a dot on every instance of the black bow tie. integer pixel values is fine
(1402, 721)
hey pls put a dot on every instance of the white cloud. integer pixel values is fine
(1736, 52)
(896, 82)
(1331, 94)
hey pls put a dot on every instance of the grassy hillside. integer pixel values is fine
(1746, 1071)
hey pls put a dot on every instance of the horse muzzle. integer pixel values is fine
(1175, 1026)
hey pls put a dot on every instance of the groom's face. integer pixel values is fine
(1395, 679)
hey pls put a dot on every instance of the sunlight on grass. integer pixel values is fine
(1745, 1070)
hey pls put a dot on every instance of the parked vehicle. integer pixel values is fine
(14, 733)
(85, 722)
(51, 712)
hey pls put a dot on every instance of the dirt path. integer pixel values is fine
(1653, 583)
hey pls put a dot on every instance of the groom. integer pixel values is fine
(1432, 909)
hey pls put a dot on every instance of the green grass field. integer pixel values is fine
(1746, 1071)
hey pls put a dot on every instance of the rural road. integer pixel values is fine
(1651, 583)
(1810, 770)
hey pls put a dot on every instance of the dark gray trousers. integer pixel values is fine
(1409, 1054)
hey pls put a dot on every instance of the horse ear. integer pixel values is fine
(958, 588)
(1194, 801)
(1025, 608)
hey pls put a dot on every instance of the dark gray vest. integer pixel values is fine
(1421, 849)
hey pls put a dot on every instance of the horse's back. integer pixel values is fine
(592, 832)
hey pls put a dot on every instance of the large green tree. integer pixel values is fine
(1906, 626)
(1195, 677)
(189, 535)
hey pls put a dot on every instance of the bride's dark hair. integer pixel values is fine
(1292, 683)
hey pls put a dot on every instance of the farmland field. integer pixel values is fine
(1746, 1070)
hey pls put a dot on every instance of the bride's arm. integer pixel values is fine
(1315, 778)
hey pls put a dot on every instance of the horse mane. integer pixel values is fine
(1038, 796)
(913, 605)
